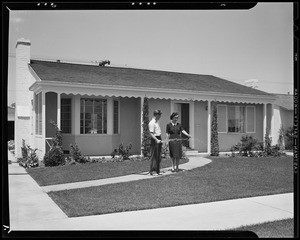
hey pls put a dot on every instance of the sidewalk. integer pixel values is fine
(32, 209)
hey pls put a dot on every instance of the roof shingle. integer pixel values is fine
(129, 77)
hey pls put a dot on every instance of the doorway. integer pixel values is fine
(183, 110)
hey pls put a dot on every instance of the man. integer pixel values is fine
(156, 143)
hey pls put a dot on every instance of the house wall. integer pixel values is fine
(130, 124)
(282, 117)
(200, 133)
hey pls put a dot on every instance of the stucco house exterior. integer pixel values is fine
(10, 122)
(99, 107)
(283, 114)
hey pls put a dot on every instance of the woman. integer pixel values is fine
(174, 130)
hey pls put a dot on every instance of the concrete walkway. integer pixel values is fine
(32, 209)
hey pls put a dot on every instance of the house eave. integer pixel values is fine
(157, 93)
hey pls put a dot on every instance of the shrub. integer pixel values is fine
(29, 158)
(271, 151)
(146, 137)
(281, 137)
(76, 154)
(122, 152)
(214, 131)
(55, 156)
(165, 151)
(289, 138)
(251, 147)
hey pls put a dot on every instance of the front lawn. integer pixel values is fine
(222, 179)
(45, 176)
(276, 229)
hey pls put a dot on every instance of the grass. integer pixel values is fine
(45, 176)
(222, 179)
(276, 229)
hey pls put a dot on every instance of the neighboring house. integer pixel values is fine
(283, 113)
(10, 123)
(100, 107)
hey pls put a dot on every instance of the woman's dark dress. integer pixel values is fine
(175, 146)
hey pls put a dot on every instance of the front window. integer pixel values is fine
(236, 119)
(93, 116)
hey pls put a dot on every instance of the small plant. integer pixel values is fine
(122, 152)
(29, 158)
(165, 151)
(281, 137)
(76, 154)
(55, 156)
(289, 138)
(214, 131)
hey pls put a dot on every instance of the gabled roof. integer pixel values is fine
(129, 77)
(285, 101)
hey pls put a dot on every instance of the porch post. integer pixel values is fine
(272, 125)
(192, 118)
(264, 121)
(58, 110)
(141, 135)
(110, 116)
(208, 126)
(43, 123)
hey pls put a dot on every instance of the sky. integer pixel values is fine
(236, 45)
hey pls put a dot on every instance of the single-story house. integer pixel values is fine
(99, 107)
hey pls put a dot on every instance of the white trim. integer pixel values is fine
(43, 122)
(142, 112)
(58, 111)
(126, 91)
(192, 124)
(110, 116)
(272, 127)
(264, 120)
(76, 115)
(208, 127)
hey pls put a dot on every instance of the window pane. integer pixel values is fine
(116, 117)
(222, 118)
(240, 115)
(66, 115)
(250, 119)
(231, 119)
